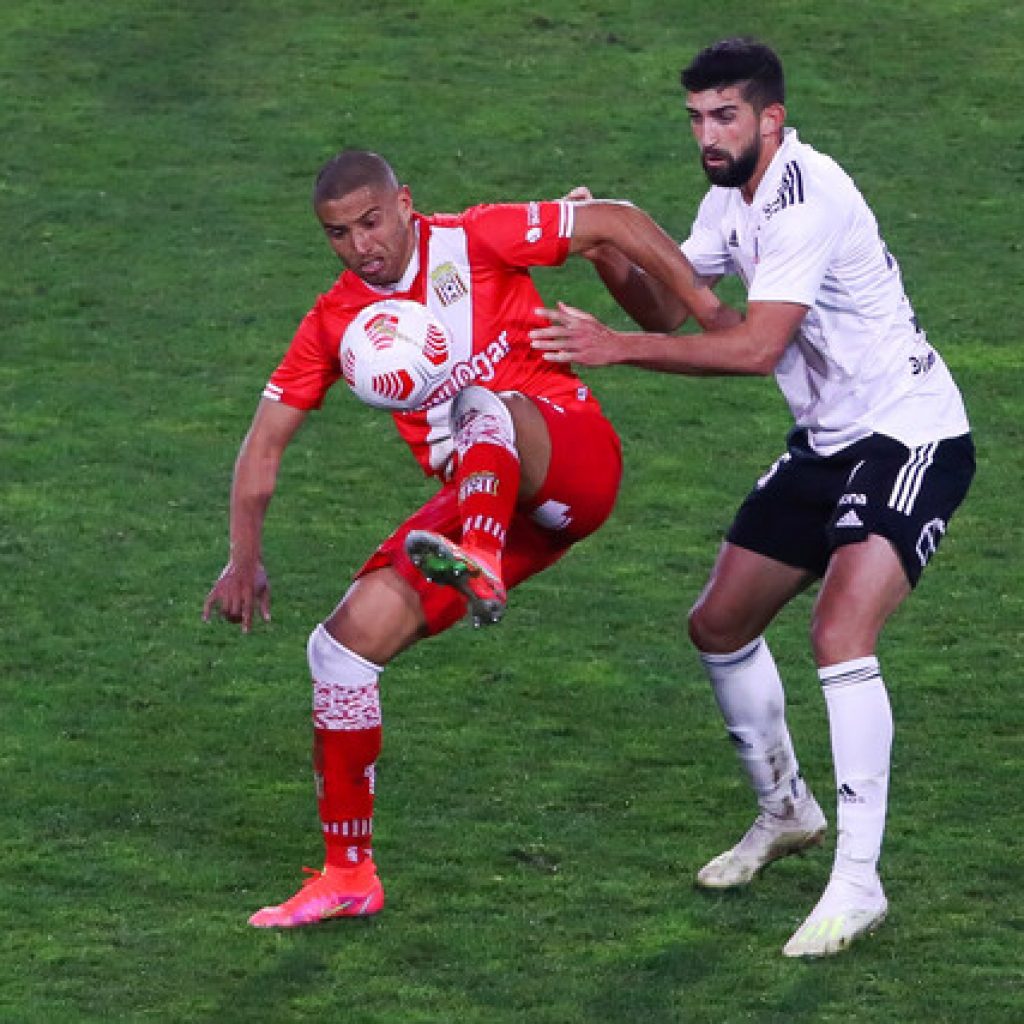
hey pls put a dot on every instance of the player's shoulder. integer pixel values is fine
(820, 176)
(444, 220)
(340, 303)
(472, 221)
(805, 186)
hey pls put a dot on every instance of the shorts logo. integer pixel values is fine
(853, 499)
(552, 515)
(775, 467)
(850, 520)
(928, 541)
(478, 483)
(447, 284)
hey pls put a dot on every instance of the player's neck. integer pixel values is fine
(768, 151)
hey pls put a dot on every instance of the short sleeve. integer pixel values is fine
(795, 248)
(309, 367)
(706, 247)
(523, 234)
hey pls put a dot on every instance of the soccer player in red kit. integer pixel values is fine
(527, 463)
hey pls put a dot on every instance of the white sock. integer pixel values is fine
(749, 693)
(860, 722)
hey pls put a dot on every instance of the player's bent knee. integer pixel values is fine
(479, 416)
(834, 641)
(346, 697)
(712, 633)
(329, 659)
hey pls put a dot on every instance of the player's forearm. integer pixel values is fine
(251, 490)
(640, 241)
(644, 298)
(730, 352)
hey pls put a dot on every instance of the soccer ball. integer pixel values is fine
(395, 354)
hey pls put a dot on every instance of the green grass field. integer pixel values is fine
(547, 789)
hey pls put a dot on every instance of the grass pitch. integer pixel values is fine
(547, 789)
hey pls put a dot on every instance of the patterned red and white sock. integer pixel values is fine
(488, 483)
(346, 743)
(488, 473)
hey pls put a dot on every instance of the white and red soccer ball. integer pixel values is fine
(395, 354)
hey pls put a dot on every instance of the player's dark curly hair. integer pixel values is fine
(349, 170)
(742, 61)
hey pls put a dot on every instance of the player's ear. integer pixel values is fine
(405, 200)
(772, 121)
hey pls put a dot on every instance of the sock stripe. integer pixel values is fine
(354, 828)
(851, 673)
(736, 658)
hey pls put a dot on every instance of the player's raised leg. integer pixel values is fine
(488, 478)
(745, 592)
(380, 616)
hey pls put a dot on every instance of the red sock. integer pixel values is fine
(343, 763)
(488, 483)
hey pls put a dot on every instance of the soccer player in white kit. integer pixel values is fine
(879, 458)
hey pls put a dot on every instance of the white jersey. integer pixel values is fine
(859, 363)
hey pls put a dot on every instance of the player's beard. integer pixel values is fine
(737, 170)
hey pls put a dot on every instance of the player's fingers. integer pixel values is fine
(549, 314)
(545, 335)
(570, 313)
(265, 605)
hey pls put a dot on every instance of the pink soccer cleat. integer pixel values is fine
(333, 892)
(470, 572)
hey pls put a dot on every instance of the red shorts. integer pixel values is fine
(577, 496)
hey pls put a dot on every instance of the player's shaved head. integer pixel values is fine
(350, 170)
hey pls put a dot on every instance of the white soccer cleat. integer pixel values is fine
(845, 912)
(769, 838)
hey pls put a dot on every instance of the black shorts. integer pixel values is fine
(807, 505)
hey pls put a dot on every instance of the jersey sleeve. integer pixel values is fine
(706, 248)
(309, 367)
(523, 234)
(794, 250)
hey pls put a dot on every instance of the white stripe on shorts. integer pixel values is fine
(910, 478)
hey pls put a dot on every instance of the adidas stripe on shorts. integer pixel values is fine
(807, 505)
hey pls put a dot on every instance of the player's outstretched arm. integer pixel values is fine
(642, 267)
(650, 303)
(242, 587)
(751, 347)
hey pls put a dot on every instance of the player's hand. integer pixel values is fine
(595, 253)
(238, 592)
(579, 194)
(576, 337)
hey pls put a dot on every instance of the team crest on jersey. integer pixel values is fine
(447, 284)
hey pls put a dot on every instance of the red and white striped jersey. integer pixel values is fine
(471, 270)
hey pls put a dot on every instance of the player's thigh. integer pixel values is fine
(584, 472)
(440, 607)
(907, 495)
(533, 442)
(865, 583)
(379, 617)
(576, 496)
(744, 592)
